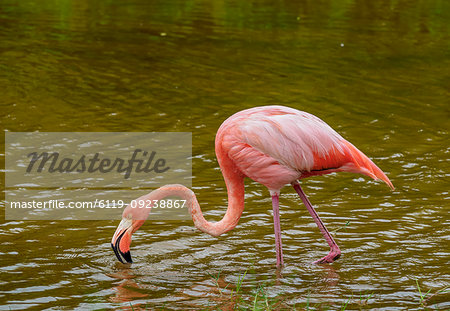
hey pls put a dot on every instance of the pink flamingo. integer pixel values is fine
(275, 146)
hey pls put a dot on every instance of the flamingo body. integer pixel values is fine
(275, 146)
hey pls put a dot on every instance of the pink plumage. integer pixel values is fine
(275, 145)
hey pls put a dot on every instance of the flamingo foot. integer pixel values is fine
(332, 256)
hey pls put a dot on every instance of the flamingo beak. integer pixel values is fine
(121, 240)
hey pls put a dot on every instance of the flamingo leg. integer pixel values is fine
(277, 229)
(335, 252)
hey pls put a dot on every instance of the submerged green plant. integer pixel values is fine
(423, 297)
(256, 298)
(344, 307)
(239, 283)
(363, 300)
(216, 282)
(344, 227)
(261, 301)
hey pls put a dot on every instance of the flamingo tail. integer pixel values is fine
(360, 163)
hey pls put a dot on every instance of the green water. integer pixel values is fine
(376, 71)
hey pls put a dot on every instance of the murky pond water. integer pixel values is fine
(376, 71)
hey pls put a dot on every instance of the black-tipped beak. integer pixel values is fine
(121, 240)
(123, 257)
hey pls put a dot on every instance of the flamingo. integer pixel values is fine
(274, 146)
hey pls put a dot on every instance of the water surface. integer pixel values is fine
(377, 72)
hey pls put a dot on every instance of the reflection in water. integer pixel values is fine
(332, 276)
(376, 71)
(126, 290)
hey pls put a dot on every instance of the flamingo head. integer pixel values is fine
(121, 239)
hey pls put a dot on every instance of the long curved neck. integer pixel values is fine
(235, 189)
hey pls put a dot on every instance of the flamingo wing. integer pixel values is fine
(296, 144)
